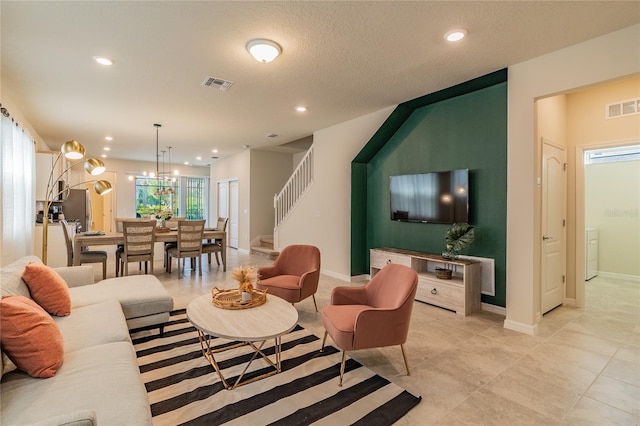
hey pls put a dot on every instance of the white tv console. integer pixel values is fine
(461, 293)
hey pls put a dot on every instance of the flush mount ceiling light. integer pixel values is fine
(102, 60)
(301, 108)
(455, 35)
(264, 50)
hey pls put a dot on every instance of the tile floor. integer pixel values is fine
(583, 368)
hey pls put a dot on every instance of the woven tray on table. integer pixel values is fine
(232, 299)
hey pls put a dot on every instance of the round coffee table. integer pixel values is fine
(252, 326)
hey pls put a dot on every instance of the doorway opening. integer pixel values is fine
(610, 196)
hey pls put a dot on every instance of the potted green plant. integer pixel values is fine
(458, 237)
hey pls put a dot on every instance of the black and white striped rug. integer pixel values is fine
(183, 388)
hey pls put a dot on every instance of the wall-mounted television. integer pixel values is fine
(437, 197)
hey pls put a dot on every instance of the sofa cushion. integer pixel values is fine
(47, 288)
(139, 295)
(103, 378)
(11, 277)
(93, 325)
(30, 337)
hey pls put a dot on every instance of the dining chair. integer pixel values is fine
(120, 247)
(294, 275)
(139, 239)
(215, 246)
(86, 256)
(171, 224)
(190, 234)
(372, 316)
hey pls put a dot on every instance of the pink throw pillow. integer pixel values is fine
(30, 337)
(48, 289)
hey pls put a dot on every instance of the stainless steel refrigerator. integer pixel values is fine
(77, 206)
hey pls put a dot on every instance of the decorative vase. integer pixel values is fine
(245, 296)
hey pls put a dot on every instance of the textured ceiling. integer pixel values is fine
(340, 59)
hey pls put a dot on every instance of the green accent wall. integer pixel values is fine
(464, 127)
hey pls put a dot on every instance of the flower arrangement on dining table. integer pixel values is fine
(162, 216)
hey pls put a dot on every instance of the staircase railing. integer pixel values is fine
(299, 182)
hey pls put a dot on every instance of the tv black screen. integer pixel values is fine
(438, 197)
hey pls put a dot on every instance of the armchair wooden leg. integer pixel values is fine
(324, 339)
(104, 269)
(406, 363)
(314, 302)
(344, 357)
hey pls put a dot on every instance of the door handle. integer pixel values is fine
(545, 238)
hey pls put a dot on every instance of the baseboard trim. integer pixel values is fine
(570, 302)
(531, 330)
(616, 276)
(332, 274)
(494, 309)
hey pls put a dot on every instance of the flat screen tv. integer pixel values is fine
(438, 197)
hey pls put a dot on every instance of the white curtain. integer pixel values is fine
(17, 203)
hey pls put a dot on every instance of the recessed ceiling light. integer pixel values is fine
(186, 163)
(106, 148)
(104, 156)
(301, 108)
(264, 50)
(102, 60)
(130, 177)
(198, 158)
(214, 150)
(455, 35)
(109, 138)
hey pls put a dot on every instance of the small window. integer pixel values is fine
(612, 155)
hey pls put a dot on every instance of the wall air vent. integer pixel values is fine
(217, 83)
(622, 108)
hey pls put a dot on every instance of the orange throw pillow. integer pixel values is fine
(48, 289)
(29, 337)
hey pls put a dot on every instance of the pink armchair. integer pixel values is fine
(294, 275)
(372, 316)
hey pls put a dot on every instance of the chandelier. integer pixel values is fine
(164, 181)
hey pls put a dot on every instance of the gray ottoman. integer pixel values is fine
(144, 300)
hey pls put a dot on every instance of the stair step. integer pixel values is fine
(266, 241)
(269, 252)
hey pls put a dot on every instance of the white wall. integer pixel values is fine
(323, 218)
(269, 172)
(608, 57)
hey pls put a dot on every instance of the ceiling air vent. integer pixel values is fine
(217, 83)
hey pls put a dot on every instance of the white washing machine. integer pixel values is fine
(591, 253)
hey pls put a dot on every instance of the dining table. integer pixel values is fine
(85, 239)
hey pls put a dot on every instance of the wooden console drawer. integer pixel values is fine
(450, 296)
(379, 259)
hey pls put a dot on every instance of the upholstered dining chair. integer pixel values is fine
(86, 256)
(215, 246)
(139, 240)
(294, 275)
(189, 244)
(372, 316)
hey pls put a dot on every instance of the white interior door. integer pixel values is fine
(223, 199)
(553, 259)
(232, 226)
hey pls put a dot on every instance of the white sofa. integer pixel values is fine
(99, 381)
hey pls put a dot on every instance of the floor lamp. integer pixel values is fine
(73, 150)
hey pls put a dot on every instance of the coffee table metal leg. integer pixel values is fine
(208, 351)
